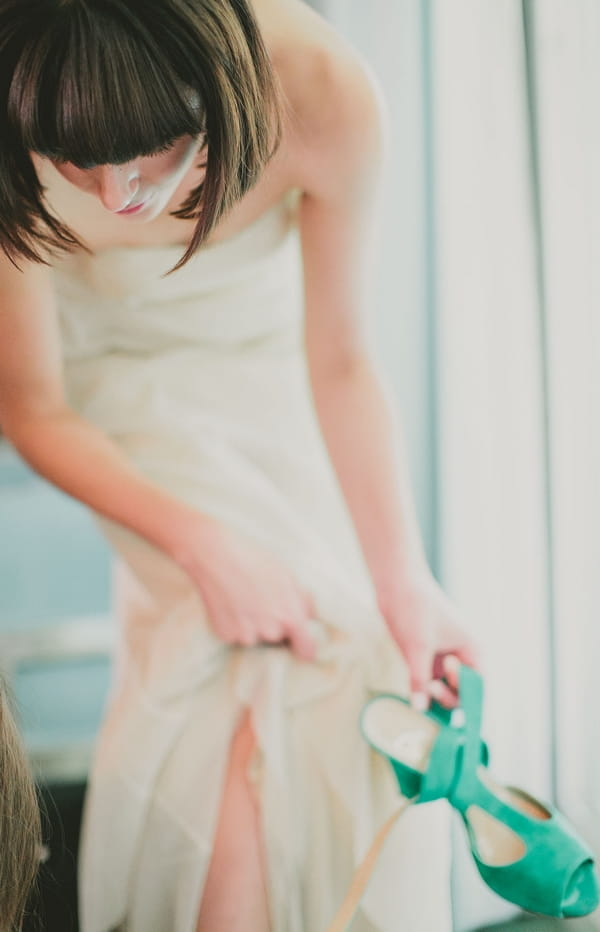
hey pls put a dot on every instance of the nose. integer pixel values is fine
(117, 185)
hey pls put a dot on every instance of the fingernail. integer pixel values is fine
(451, 663)
(420, 702)
(436, 689)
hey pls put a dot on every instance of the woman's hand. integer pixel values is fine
(250, 597)
(424, 623)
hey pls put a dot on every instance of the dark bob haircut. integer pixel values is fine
(97, 82)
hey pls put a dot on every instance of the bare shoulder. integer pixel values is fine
(22, 278)
(336, 115)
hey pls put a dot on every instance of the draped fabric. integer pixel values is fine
(200, 379)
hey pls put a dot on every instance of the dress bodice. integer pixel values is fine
(247, 288)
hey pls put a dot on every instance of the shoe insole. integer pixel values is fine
(407, 735)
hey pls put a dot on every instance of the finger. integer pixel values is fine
(246, 638)
(451, 664)
(271, 633)
(443, 694)
(419, 657)
(301, 642)
(246, 634)
(221, 625)
(449, 669)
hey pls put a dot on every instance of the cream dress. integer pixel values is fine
(200, 379)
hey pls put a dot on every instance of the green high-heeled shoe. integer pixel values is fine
(524, 849)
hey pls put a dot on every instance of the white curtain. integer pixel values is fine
(490, 288)
(567, 52)
(492, 464)
(517, 143)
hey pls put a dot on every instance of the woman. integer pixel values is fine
(227, 423)
(20, 824)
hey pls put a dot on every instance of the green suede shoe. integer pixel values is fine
(525, 850)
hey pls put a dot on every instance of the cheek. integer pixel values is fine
(163, 168)
(75, 176)
(160, 174)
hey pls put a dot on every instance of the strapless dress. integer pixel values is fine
(200, 379)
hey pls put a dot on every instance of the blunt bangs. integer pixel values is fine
(95, 96)
(96, 82)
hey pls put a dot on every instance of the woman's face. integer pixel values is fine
(141, 189)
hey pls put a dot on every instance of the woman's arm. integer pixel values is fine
(341, 163)
(339, 216)
(250, 597)
(63, 447)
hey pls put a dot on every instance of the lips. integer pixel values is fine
(132, 210)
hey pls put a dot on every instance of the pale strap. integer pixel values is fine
(363, 873)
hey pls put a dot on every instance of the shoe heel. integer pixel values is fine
(402, 735)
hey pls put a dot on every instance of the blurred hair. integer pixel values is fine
(20, 823)
(97, 82)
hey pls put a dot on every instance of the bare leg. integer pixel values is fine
(234, 898)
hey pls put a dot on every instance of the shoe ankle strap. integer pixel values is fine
(458, 749)
(470, 693)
